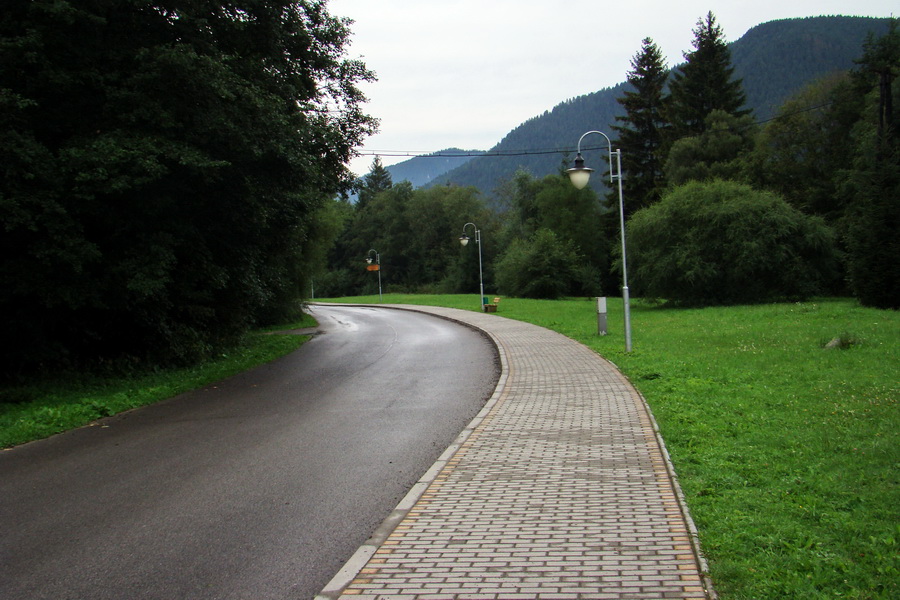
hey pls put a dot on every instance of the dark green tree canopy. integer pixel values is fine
(721, 242)
(798, 154)
(416, 232)
(716, 153)
(542, 266)
(705, 82)
(551, 210)
(162, 166)
(377, 180)
(643, 126)
(873, 186)
(880, 63)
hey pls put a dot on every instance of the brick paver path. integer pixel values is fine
(559, 489)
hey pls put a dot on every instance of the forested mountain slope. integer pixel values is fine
(774, 59)
(422, 170)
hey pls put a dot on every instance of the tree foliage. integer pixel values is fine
(716, 153)
(722, 242)
(377, 180)
(640, 135)
(416, 232)
(163, 166)
(541, 266)
(873, 229)
(704, 83)
(801, 153)
(574, 217)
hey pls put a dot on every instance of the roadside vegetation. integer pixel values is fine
(783, 426)
(57, 402)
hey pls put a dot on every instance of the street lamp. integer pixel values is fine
(579, 176)
(464, 240)
(377, 266)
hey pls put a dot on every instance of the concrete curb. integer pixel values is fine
(360, 558)
(353, 569)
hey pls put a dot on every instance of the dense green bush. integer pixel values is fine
(544, 266)
(722, 242)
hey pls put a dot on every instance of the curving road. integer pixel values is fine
(258, 487)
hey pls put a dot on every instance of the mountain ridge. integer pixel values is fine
(422, 170)
(774, 59)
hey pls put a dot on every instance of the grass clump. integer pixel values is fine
(56, 403)
(787, 453)
(841, 342)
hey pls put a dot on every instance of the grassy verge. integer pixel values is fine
(58, 403)
(787, 451)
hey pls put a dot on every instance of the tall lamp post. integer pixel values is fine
(579, 176)
(464, 240)
(377, 266)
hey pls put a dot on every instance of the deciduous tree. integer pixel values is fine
(722, 242)
(801, 153)
(163, 166)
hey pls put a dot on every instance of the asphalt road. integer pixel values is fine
(258, 487)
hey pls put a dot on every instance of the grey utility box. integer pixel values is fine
(601, 315)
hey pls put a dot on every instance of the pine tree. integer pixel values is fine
(704, 83)
(641, 135)
(377, 180)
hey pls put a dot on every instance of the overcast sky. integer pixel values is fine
(463, 73)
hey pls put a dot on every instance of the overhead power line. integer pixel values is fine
(532, 152)
(474, 153)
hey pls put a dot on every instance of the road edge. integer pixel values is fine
(351, 569)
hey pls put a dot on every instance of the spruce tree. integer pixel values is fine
(704, 83)
(641, 135)
(873, 223)
(378, 180)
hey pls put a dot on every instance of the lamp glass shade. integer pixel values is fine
(464, 240)
(369, 259)
(580, 177)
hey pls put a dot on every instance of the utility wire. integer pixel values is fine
(477, 153)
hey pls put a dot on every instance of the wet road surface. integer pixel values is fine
(260, 486)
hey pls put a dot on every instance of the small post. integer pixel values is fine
(601, 315)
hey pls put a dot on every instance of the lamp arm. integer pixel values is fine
(587, 133)
(609, 146)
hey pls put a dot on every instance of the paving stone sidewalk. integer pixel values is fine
(559, 489)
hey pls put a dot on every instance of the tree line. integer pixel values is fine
(166, 172)
(773, 59)
(720, 209)
(171, 178)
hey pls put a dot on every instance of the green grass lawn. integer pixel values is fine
(57, 403)
(787, 452)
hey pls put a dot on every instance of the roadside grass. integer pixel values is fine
(63, 401)
(787, 450)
